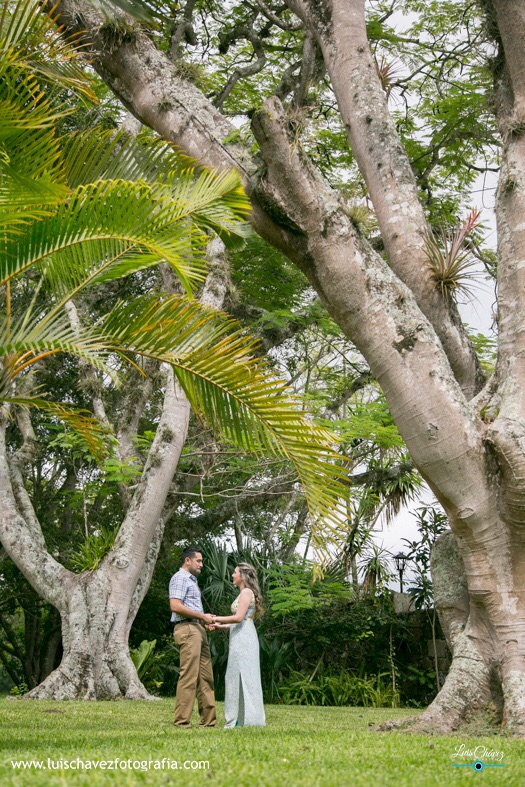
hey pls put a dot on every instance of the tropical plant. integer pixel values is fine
(293, 587)
(339, 689)
(93, 550)
(148, 664)
(420, 685)
(431, 523)
(451, 261)
(217, 587)
(142, 656)
(275, 658)
(18, 690)
(388, 73)
(376, 568)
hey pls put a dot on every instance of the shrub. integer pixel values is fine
(339, 689)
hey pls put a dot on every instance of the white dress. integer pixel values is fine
(243, 703)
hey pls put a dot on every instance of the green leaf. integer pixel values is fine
(90, 431)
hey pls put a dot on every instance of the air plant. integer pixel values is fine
(450, 259)
(388, 73)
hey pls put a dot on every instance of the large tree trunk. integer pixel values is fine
(473, 685)
(483, 623)
(94, 665)
(97, 607)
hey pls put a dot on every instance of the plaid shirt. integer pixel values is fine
(183, 586)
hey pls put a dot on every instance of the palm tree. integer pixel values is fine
(89, 210)
(388, 484)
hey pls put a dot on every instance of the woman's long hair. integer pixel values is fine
(249, 577)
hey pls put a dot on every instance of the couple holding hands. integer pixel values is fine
(243, 702)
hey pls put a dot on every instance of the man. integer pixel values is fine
(196, 673)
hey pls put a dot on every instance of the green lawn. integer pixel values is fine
(300, 746)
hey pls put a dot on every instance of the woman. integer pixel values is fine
(243, 704)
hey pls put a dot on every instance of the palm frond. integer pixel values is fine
(213, 200)
(88, 428)
(32, 42)
(32, 52)
(235, 392)
(36, 337)
(150, 12)
(117, 213)
(112, 228)
(36, 113)
(98, 154)
(31, 184)
(96, 227)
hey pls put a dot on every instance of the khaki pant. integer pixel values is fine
(196, 675)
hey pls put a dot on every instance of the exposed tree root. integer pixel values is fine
(75, 679)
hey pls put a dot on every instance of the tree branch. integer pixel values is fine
(510, 18)
(184, 29)
(90, 381)
(276, 19)
(360, 382)
(138, 541)
(379, 314)
(301, 525)
(7, 666)
(386, 169)
(239, 33)
(138, 394)
(310, 54)
(12, 638)
(269, 536)
(22, 536)
(124, 563)
(149, 85)
(294, 210)
(214, 517)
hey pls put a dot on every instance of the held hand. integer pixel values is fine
(208, 619)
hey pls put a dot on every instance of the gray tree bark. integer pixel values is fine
(96, 608)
